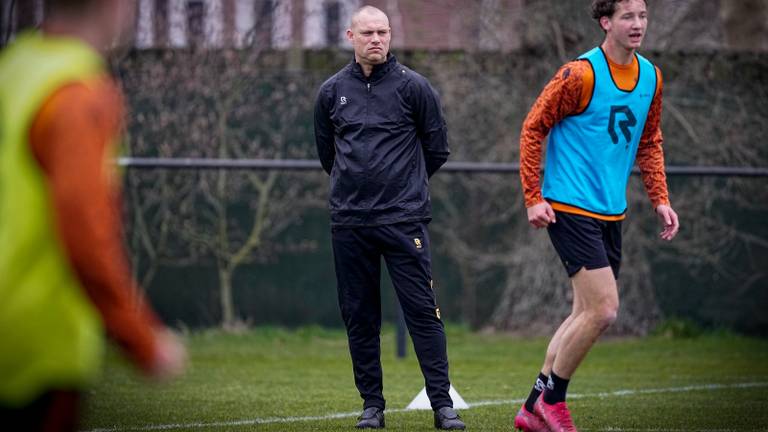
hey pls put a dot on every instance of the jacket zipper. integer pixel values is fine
(364, 186)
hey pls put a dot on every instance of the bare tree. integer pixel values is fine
(216, 104)
(745, 24)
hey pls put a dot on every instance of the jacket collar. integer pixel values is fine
(379, 70)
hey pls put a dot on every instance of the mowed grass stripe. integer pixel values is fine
(617, 393)
(284, 380)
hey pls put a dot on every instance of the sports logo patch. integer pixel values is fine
(417, 242)
(624, 125)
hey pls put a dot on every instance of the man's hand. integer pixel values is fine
(170, 358)
(668, 218)
(541, 215)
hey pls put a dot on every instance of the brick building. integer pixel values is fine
(470, 25)
(280, 24)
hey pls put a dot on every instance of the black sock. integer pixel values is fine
(556, 389)
(538, 387)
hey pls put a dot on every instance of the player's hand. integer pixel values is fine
(669, 220)
(170, 356)
(541, 215)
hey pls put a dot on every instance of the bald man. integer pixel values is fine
(380, 135)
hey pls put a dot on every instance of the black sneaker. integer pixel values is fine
(371, 418)
(447, 419)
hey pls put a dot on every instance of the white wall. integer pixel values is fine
(245, 20)
(282, 24)
(177, 23)
(213, 23)
(145, 26)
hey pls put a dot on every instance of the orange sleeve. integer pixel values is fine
(562, 96)
(71, 138)
(650, 154)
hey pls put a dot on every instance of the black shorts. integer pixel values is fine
(586, 242)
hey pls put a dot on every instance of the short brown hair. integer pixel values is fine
(601, 8)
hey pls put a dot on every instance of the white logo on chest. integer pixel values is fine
(343, 100)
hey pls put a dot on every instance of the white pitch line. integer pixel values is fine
(275, 420)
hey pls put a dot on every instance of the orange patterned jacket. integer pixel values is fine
(71, 138)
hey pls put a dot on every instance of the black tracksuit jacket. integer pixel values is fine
(380, 138)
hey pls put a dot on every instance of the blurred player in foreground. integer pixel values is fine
(64, 275)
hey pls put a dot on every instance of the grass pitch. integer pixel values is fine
(295, 380)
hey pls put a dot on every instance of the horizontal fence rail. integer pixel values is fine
(458, 167)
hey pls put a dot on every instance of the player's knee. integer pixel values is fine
(607, 314)
(609, 317)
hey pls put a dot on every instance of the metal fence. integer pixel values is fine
(455, 167)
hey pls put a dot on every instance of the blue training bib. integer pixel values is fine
(590, 155)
